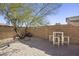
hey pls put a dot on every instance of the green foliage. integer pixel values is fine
(27, 14)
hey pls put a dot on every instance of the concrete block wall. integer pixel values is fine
(6, 32)
(45, 31)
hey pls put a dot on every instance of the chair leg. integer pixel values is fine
(53, 42)
(62, 42)
(50, 38)
(58, 41)
(68, 40)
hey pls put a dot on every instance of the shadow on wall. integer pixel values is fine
(47, 47)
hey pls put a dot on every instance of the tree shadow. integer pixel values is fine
(48, 48)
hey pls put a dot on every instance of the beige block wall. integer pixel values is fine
(44, 32)
(6, 32)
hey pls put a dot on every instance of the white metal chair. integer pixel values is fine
(66, 40)
(50, 38)
(59, 38)
(56, 41)
(59, 35)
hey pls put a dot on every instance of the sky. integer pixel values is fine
(66, 10)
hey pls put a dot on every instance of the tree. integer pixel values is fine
(27, 15)
(16, 15)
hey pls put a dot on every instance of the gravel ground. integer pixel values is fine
(37, 47)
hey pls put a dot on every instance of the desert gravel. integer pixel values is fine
(37, 47)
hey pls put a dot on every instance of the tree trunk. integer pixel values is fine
(15, 29)
(23, 34)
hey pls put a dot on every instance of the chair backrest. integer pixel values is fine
(58, 34)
